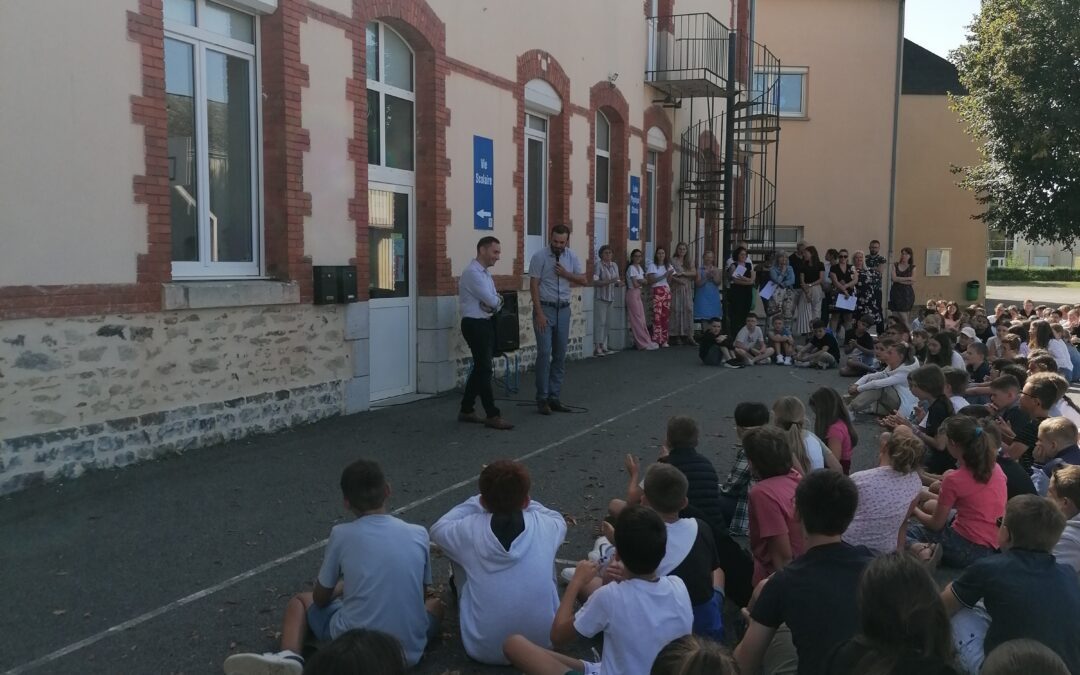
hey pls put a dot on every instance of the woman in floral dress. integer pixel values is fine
(867, 291)
(681, 325)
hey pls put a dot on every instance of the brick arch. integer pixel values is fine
(425, 33)
(655, 116)
(605, 97)
(537, 64)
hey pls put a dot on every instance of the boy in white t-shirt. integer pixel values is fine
(750, 344)
(503, 548)
(374, 575)
(637, 616)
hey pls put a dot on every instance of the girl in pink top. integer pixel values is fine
(833, 423)
(975, 490)
(775, 532)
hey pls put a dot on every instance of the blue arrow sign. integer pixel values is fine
(483, 183)
(635, 208)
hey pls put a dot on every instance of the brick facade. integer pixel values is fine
(656, 117)
(605, 97)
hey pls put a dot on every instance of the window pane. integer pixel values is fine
(650, 206)
(603, 133)
(183, 192)
(791, 93)
(388, 244)
(536, 123)
(534, 179)
(397, 61)
(601, 179)
(228, 122)
(652, 158)
(374, 129)
(228, 22)
(373, 51)
(399, 133)
(182, 11)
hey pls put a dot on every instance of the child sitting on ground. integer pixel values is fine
(503, 547)
(691, 655)
(1055, 448)
(781, 341)
(832, 423)
(1025, 591)
(733, 491)
(956, 385)
(887, 494)
(357, 651)
(750, 344)
(859, 350)
(928, 385)
(374, 575)
(821, 350)
(714, 348)
(637, 616)
(775, 535)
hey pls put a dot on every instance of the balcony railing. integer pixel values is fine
(688, 55)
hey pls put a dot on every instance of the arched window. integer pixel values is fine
(602, 183)
(542, 103)
(391, 100)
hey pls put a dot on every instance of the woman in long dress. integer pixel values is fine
(659, 271)
(866, 291)
(681, 325)
(902, 292)
(811, 278)
(635, 308)
(707, 304)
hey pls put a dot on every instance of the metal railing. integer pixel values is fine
(687, 47)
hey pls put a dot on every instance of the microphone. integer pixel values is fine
(558, 254)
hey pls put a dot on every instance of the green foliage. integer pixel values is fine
(1022, 71)
(1032, 274)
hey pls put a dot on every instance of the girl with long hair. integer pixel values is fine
(681, 325)
(693, 655)
(976, 493)
(927, 383)
(660, 270)
(941, 351)
(903, 624)
(810, 276)
(886, 391)
(1041, 336)
(833, 424)
(807, 450)
(635, 308)
(902, 291)
(952, 316)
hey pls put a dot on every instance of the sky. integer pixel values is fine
(939, 25)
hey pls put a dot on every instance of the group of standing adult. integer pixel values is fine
(682, 294)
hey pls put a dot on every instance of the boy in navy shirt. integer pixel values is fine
(822, 351)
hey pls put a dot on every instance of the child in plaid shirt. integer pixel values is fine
(734, 490)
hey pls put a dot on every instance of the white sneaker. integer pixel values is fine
(567, 573)
(601, 551)
(281, 663)
(787, 360)
(652, 347)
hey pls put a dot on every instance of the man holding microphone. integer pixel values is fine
(479, 301)
(552, 270)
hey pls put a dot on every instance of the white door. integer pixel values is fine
(392, 288)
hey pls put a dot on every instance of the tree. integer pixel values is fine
(1021, 67)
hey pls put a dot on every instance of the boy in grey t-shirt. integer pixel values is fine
(374, 576)
(750, 344)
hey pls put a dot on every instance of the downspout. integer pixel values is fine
(887, 282)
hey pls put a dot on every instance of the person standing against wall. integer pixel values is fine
(605, 278)
(478, 302)
(875, 263)
(551, 272)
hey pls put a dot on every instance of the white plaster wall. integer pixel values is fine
(579, 178)
(342, 6)
(69, 148)
(329, 174)
(479, 109)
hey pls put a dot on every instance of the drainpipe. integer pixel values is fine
(887, 282)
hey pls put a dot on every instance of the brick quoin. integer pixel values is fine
(655, 116)
(537, 64)
(150, 189)
(605, 97)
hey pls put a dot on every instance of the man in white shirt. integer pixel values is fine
(479, 301)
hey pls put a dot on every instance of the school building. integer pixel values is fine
(225, 218)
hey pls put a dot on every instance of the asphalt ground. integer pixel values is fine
(172, 565)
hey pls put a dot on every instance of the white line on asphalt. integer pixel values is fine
(278, 562)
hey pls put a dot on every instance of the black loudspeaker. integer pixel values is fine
(507, 337)
(346, 283)
(326, 285)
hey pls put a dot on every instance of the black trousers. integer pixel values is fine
(480, 336)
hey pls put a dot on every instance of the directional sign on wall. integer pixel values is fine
(483, 183)
(635, 208)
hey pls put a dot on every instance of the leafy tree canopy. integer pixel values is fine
(1021, 66)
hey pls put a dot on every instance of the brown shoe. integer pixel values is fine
(470, 417)
(498, 423)
(542, 408)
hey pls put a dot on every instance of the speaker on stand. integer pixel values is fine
(507, 328)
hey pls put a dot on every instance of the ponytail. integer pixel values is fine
(789, 415)
(976, 446)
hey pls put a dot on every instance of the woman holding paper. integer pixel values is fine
(707, 298)
(868, 301)
(741, 274)
(782, 298)
(810, 278)
(844, 279)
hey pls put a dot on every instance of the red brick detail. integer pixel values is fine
(152, 189)
(579, 110)
(425, 33)
(537, 64)
(606, 98)
(469, 70)
(655, 116)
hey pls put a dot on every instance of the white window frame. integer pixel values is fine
(202, 40)
(804, 71)
(651, 157)
(531, 243)
(787, 245)
(380, 172)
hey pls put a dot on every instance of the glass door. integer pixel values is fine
(392, 290)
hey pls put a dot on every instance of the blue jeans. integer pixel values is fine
(551, 352)
(1074, 356)
(958, 552)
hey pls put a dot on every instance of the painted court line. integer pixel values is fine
(278, 562)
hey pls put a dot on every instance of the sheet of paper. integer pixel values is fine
(739, 271)
(846, 302)
(768, 290)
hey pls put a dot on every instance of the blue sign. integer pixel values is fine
(635, 208)
(483, 183)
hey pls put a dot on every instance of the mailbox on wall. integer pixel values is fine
(334, 284)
